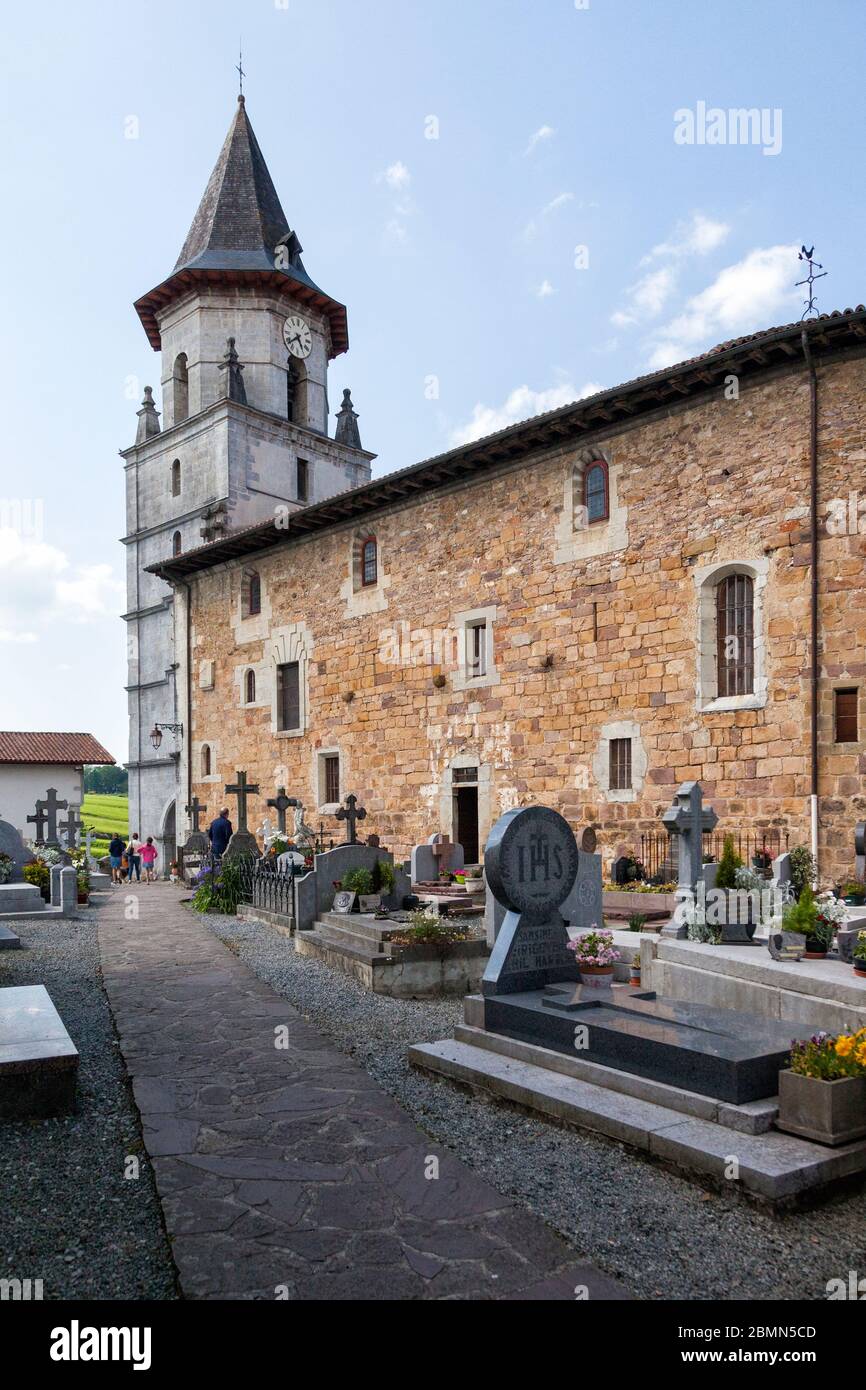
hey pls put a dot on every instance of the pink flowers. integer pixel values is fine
(594, 947)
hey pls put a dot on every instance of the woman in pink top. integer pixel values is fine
(149, 856)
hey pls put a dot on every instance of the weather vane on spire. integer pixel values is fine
(240, 69)
(811, 306)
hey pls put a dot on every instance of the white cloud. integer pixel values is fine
(545, 132)
(521, 404)
(396, 176)
(40, 585)
(697, 237)
(531, 228)
(545, 289)
(742, 299)
(647, 298)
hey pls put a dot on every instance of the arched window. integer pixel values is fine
(369, 562)
(180, 388)
(175, 478)
(596, 499)
(205, 760)
(735, 635)
(176, 544)
(250, 687)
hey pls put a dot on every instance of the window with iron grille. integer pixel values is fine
(332, 778)
(289, 697)
(465, 774)
(735, 635)
(476, 650)
(846, 716)
(596, 494)
(620, 764)
(370, 562)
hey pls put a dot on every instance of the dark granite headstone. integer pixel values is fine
(531, 864)
(12, 844)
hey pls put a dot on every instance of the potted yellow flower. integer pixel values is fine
(823, 1095)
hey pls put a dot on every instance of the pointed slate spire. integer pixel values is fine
(347, 423)
(148, 418)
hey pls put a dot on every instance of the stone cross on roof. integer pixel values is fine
(281, 804)
(242, 790)
(689, 821)
(195, 810)
(46, 814)
(351, 813)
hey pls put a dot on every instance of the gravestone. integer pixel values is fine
(860, 851)
(438, 853)
(351, 813)
(45, 818)
(16, 896)
(584, 906)
(315, 891)
(786, 945)
(782, 870)
(12, 844)
(281, 804)
(243, 843)
(531, 861)
(72, 827)
(197, 846)
(688, 819)
(494, 914)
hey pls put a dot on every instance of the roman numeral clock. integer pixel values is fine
(297, 336)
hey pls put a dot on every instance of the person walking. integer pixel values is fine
(133, 854)
(116, 850)
(149, 856)
(220, 832)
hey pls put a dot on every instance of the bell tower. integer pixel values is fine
(245, 339)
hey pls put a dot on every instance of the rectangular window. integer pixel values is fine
(620, 764)
(289, 697)
(846, 716)
(332, 778)
(476, 650)
(303, 480)
(465, 774)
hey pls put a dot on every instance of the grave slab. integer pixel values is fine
(38, 1059)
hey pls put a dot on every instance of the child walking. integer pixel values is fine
(149, 856)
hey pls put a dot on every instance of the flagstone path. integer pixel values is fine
(285, 1171)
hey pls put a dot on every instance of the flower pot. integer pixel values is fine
(634, 979)
(595, 974)
(815, 949)
(860, 968)
(830, 1112)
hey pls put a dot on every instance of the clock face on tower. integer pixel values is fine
(297, 336)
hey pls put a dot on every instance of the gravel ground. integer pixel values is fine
(665, 1237)
(69, 1216)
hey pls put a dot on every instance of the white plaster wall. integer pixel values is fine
(22, 784)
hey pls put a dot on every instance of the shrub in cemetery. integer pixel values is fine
(359, 881)
(860, 954)
(729, 863)
(39, 874)
(5, 868)
(803, 868)
(428, 929)
(636, 921)
(220, 889)
(383, 877)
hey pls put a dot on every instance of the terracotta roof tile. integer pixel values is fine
(75, 749)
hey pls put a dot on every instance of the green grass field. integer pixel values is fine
(105, 815)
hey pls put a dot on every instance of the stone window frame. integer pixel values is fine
(707, 579)
(362, 599)
(198, 748)
(576, 537)
(288, 644)
(620, 729)
(600, 463)
(176, 478)
(464, 623)
(484, 783)
(247, 626)
(249, 676)
(176, 544)
(323, 807)
(846, 687)
(180, 389)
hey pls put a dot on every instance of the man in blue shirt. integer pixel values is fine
(220, 832)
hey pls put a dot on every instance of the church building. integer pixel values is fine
(661, 583)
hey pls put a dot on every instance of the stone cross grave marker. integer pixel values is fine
(531, 863)
(281, 804)
(46, 815)
(688, 819)
(242, 790)
(351, 813)
(195, 810)
(72, 827)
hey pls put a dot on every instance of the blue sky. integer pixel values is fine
(554, 238)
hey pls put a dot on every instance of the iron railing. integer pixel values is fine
(757, 848)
